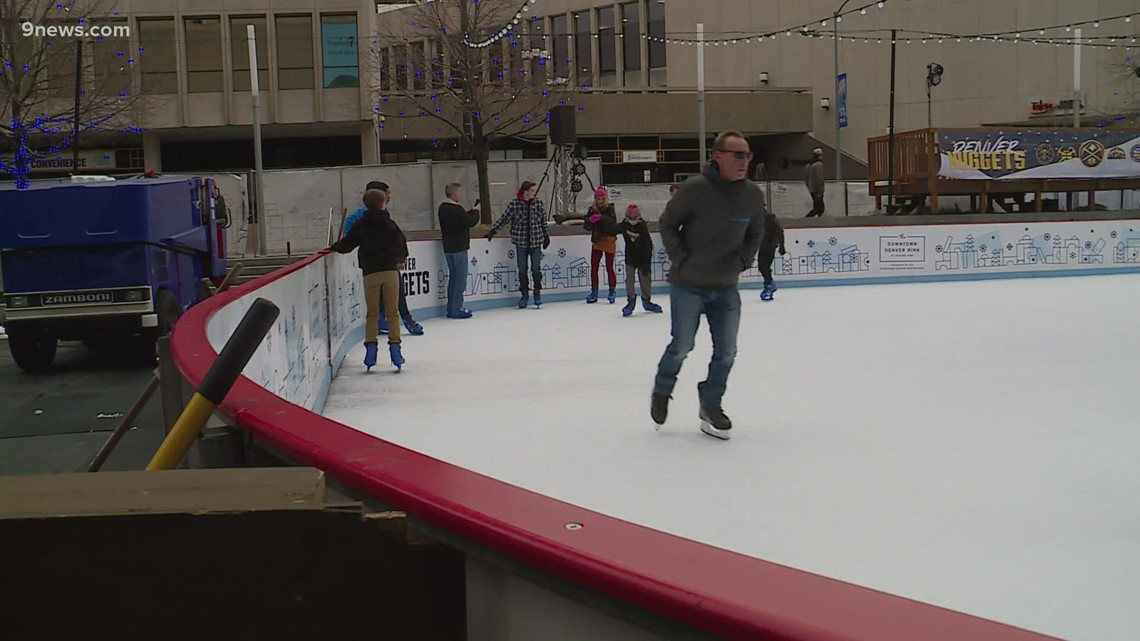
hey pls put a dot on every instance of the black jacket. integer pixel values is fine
(773, 233)
(382, 245)
(712, 230)
(638, 244)
(604, 228)
(453, 225)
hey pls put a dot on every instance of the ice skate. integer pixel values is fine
(537, 298)
(382, 325)
(593, 297)
(628, 309)
(370, 355)
(659, 409)
(766, 293)
(715, 423)
(651, 307)
(414, 328)
(612, 297)
(524, 301)
(395, 354)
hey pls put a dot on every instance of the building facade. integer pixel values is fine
(769, 70)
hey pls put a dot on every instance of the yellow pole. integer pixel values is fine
(185, 431)
(216, 384)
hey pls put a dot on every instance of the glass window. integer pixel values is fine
(631, 36)
(561, 48)
(203, 54)
(158, 56)
(656, 29)
(607, 48)
(607, 41)
(60, 54)
(384, 57)
(538, 43)
(110, 60)
(583, 46)
(239, 53)
(400, 60)
(419, 70)
(294, 52)
(339, 51)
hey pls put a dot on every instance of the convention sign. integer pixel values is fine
(1015, 154)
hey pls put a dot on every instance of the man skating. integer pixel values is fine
(711, 232)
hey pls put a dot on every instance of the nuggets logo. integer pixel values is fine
(414, 283)
(1116, 153)
(1135, 153)
(1092, 153)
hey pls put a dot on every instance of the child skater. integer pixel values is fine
(773, 238)
(638, 260)
(383, 250)
(601, 222)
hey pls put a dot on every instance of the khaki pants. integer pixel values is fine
(382, 287)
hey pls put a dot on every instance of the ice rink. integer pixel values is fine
(974, 445)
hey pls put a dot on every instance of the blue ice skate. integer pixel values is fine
(370, 355)
(628, 309)
(651, 307)
(397, 357)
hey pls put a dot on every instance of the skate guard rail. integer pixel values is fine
(722, 592)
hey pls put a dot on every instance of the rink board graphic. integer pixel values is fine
(286, 383)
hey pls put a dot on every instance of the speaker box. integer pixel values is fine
(563, 130)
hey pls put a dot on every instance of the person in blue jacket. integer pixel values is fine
(410, 323)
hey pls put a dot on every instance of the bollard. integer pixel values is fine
(216, 384)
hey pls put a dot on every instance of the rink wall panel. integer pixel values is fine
(285, 384)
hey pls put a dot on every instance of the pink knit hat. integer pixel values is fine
(633, 211)
(600, 193)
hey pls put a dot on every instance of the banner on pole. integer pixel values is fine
(841, 83)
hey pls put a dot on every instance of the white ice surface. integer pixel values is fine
(975, 445)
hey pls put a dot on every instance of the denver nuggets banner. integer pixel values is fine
(1014, 154)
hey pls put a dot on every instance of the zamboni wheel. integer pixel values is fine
(32, 349)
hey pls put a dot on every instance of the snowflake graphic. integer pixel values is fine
(833, 241)
(510, 253)
(811, 244)
(474, 261)
(1113, 234)
(1088, 244)
(1048, 237)
(983, 248)
(561, 252)
(938, 249)
(1009, 247)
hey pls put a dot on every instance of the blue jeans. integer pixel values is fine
(457, 280)
(535, 256)
(722, 308)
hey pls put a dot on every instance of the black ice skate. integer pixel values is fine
(659, 408)
(715, 423)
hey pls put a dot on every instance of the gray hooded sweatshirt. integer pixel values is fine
(712, 230)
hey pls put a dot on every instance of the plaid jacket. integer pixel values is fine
(528, 223)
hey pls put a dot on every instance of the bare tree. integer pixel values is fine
(40, 43)
(477, 66)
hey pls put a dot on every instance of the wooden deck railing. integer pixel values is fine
(916, 156)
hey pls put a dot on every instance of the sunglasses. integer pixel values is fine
(739, 155)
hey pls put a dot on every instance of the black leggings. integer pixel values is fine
(765, 258)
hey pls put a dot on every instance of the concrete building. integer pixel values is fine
(634, 63)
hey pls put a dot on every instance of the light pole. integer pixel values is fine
(933, 79)
(835, 18)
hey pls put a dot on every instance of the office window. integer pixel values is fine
(656, 28)
(109, 59)
(536, 28)
(583, 46)
(400, 69)
(631, 36)
(294, 52)
(239, 53)
(158, 56)
(384, 59)
(60, 55)
(340, 51)
(561, 47)
(204, 54)
(435, 55)
(419, 70)
(607, 48)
